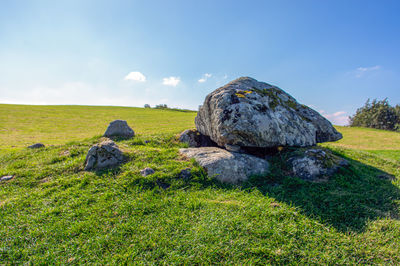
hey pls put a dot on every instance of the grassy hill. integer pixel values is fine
(54, 212)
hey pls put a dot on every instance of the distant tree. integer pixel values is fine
(161, 106)
(147, 106)
(377, 114)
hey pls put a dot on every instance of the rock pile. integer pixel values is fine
(246, 116)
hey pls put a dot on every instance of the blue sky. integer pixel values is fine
(331, 55)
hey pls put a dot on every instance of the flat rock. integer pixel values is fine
(225, 166)
(248, 113)
(104, 155)
(119, 128)
(314, 164)
(36, 146)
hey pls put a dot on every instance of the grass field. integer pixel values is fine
(21, 125)
(54, 212)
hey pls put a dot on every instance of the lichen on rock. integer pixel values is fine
(266, 117)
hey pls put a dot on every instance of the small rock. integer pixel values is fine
(6, 177)
(119, 128)
(314, 164)
(186, 174)
(147, 171)
(225, 166)
(103, 155)
(36, 146)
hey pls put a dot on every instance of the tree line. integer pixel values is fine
(377, 114)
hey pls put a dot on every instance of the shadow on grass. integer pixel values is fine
(355, 195)
(352, 197)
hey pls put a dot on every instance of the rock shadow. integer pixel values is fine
(355, 195)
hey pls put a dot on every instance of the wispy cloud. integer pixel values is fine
(171, 81)
(204, 78)
(338, 118)
(136, 76)
(361, 71)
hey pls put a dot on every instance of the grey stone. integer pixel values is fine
(147, 171)
(104, 155)
(314, 164)
(119, 128)
(225, 166)
(6, 177)
(195, 139)
(185, 174)
(249, 113)
(36, 146)
(233, 148)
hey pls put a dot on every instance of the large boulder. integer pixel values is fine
(119, 128)
(314, 164)
(106, 154)
(227, 167)
(248, 113)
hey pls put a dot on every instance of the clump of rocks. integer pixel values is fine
(119, 129)
(247, 121)
(105, 154)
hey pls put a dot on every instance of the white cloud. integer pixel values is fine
(171, 81)
(136, 76)
(361, 71)
(338, 118)
(204, 77)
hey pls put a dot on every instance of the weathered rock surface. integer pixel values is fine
(314, 164)
(119, 128)
(147, 171)
(36, 146)
(195, 139)
(228, 167)
(104, 155)
(249, 113)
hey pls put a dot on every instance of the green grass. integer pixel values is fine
(22, 125)
(53, 212)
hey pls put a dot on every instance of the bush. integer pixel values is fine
(377, 114)
(161, 106)
(147, 106)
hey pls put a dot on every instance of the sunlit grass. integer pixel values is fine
(22, 125)
(53, 212)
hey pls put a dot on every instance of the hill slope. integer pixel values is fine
(54, 212)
